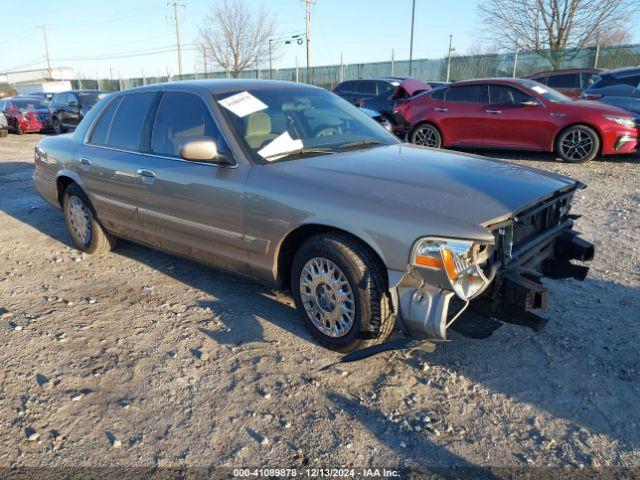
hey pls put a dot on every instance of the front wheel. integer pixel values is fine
(426, 135)
(57, 126)
(339, 290)
(87, 234)
(578, 144)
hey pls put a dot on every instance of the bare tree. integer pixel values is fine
(235, 37)
(551, 26)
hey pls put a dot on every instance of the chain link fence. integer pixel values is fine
(460, 68)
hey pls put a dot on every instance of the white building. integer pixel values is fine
(38, 75)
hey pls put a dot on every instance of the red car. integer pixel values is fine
(516, 114)
(26, 114)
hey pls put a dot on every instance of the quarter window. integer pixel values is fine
(126, 127)
(181, 116)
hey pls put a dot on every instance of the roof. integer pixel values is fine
(564, 71)
(505, 80)
(624, 72)
(224, 85)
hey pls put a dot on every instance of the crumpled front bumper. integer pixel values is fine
(515, 294)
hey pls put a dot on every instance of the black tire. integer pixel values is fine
(373, 318)
(584, 140)
(57, 126)
(19, 130)
(426, 135)
(98, 240)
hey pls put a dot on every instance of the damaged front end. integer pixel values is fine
(480, 286)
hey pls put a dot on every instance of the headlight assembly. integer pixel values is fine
(460, 261)
(626, 121)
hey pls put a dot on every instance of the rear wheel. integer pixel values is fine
(339, 290)
(87, 234)
(578, 144)
(19, 129)
(426, 135)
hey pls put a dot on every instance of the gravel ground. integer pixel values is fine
(143, 359)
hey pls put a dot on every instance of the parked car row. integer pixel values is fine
(36, 113)
(523, 114)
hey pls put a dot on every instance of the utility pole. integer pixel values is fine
(308, 2)
(451, 49)
(270, 64)
(515, 60)
(393, 55)
(175, 18)
(204, 58)
(413, 17)
(44, 29)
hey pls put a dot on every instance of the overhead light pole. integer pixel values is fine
(451, 49)
(413, 17)
(178, 46)
(308, 18)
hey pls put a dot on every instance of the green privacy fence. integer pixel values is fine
(460, 68)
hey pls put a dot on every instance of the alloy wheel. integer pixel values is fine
(327, 297)
(79, 219)
(577, 145)
(427, 136)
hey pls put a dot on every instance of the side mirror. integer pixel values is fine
(529, 103)
(203, 149)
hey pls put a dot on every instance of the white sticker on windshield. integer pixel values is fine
(242, 104)
(539, 89)
(280, 146)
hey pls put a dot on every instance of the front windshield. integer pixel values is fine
(25, 104)
(287, 123)
(549, 94)
(89, 99)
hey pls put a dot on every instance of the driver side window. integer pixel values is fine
(181, 116)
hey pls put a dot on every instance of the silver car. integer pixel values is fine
(293, 186)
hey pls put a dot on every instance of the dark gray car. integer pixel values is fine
(292, 185)
(620, 88)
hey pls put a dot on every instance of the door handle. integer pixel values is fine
(494, 112)
(143, 172)
(85, 163)
(440, 109)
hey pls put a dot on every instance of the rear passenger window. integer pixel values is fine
(367, 88)
(101, 130)
(567, 80)
(464, 93)
(126, 127)
(181, 116)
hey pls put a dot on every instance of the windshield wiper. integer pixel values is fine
(359, 143)
(299, 151)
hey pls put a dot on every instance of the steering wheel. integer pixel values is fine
(327, 130)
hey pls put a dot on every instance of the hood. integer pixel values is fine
(425, 183)
(411, 86)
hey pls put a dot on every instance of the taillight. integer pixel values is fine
(361, 103)
(591, 96)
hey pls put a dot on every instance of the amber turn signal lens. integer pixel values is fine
(426, 261)
(449, 264)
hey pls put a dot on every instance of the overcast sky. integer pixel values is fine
(362, 30)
